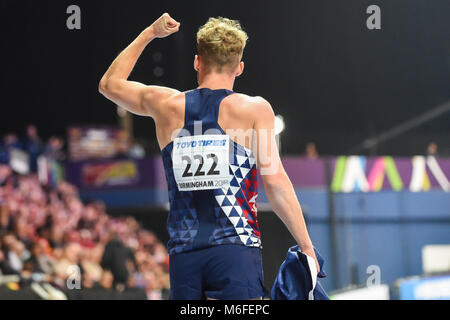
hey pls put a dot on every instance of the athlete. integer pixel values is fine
(213, 140)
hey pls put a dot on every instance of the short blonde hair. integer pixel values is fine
(221, 43)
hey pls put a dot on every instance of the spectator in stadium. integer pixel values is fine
(107, 280)
(70, 257)
(10, 141)
(54, 149)
(21, 230)
(432, 149)
(14, 254)
(5, 172)
(4, 218)
(34, 146)
(311, 151)
(90, 265)
(41, 258)
(4, 155)
(116, 258)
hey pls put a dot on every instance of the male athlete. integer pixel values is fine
(212, 142)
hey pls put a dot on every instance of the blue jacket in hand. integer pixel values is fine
(297, 278)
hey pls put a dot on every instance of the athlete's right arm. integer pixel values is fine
(277, 184)
(134, 96)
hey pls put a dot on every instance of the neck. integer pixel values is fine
(215, 81)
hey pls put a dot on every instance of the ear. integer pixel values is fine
(196, 63)
(240, 69)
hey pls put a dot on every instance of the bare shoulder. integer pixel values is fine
(256, 105)
(158, 94)
(175, 97)
(165, 101)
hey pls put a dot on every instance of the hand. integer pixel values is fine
(165, 26)
(310, 252)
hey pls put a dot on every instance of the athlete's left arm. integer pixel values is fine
(279, 189)
(134, 96)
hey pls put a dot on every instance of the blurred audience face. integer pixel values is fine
(32, 132)
(8, 241)
(55, 143)
(432, 149)
(72, 253)
(107, 279)
(5, 172)
(311, 151)
(10, 139)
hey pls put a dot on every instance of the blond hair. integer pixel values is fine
(221, 43)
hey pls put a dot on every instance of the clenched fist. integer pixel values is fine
(164, 26)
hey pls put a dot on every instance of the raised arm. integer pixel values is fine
(277, 184)
(134, 96)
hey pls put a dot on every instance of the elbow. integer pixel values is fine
(275, 182)
(107, 84)
(103, 85)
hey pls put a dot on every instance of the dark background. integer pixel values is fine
(334, 81)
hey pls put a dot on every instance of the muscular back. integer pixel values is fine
(236, 115)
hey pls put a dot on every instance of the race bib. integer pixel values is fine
(201, 162)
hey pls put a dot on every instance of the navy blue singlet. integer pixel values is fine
(212, 181)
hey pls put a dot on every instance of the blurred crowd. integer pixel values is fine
(33, 145)
(54, 148)
(48, 234)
